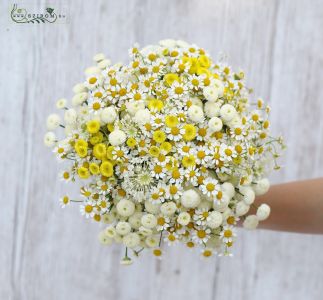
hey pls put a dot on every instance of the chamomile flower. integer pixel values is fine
(200, 216)
(171, 239)
(227, 234)
(175, 133)
(203, 155)
(201, 235)
(174, 192)
(192, 175)
(64, 201)
(210, 187)
(227, 152)
(87, 210)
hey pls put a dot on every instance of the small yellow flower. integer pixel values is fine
(99, 151)
(157, 252)
(93, 126)
(190, 132)
(131, 142)
(83, 172)
(94, 168)
(188, 161)
(171, 121)
(109, 152)
(106, 169)
(96, 138)
(166, 147)
(170, 78)
(204, 61)
(159, 136)
(155, 105)
(154, 151)
(81, 143)
(193, 61)
(81, 151)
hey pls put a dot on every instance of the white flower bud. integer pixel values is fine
(220, 87)
(212, 109)
(228, 188)
(134, 106)
(135, 220)
(196, 101)
(79, 88)
(195, 113)
(117, 137)
(110, 232)
(53, 121)
(70, 116)
(235, 122)
(108, 114)
(182, 44)
(145, 231)
(168, 208)
(149, 221)
(248, 194)
(263, 212)
(142, 116)
(214, 219)
(92, 71)
(104, 240)
(125, 208)
(78, 99)
(261, 187)
(152, 241)
(227, 112)
(49, 139)
(131, 240)
(104, 63)
(184, 218)
(123, 228)
(215, 124)
(61, 103)
(108, 218)
(251, 222)
(98, 57)
(211, 93)
(242, 208)
(223, 205)
(152, 207)
(190, 199)
(207, 204)
(169, 43)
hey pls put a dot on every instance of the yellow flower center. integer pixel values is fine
(227, 233)
(88, 208)
(228, 152)
(171, 237)
(173, 189)
(92, 80)
(201, 234)
(179, 90)
(210, 187)
(161, 221)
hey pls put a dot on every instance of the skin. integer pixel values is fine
(295, 207)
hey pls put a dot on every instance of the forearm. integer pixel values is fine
(295, 206)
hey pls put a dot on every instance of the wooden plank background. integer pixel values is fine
(47, 253)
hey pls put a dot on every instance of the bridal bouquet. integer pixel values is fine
(168, 148)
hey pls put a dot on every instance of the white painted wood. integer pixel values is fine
(47, 253)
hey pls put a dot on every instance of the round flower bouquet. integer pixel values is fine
(167, 149)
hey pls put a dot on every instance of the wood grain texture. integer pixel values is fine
(47, 253)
